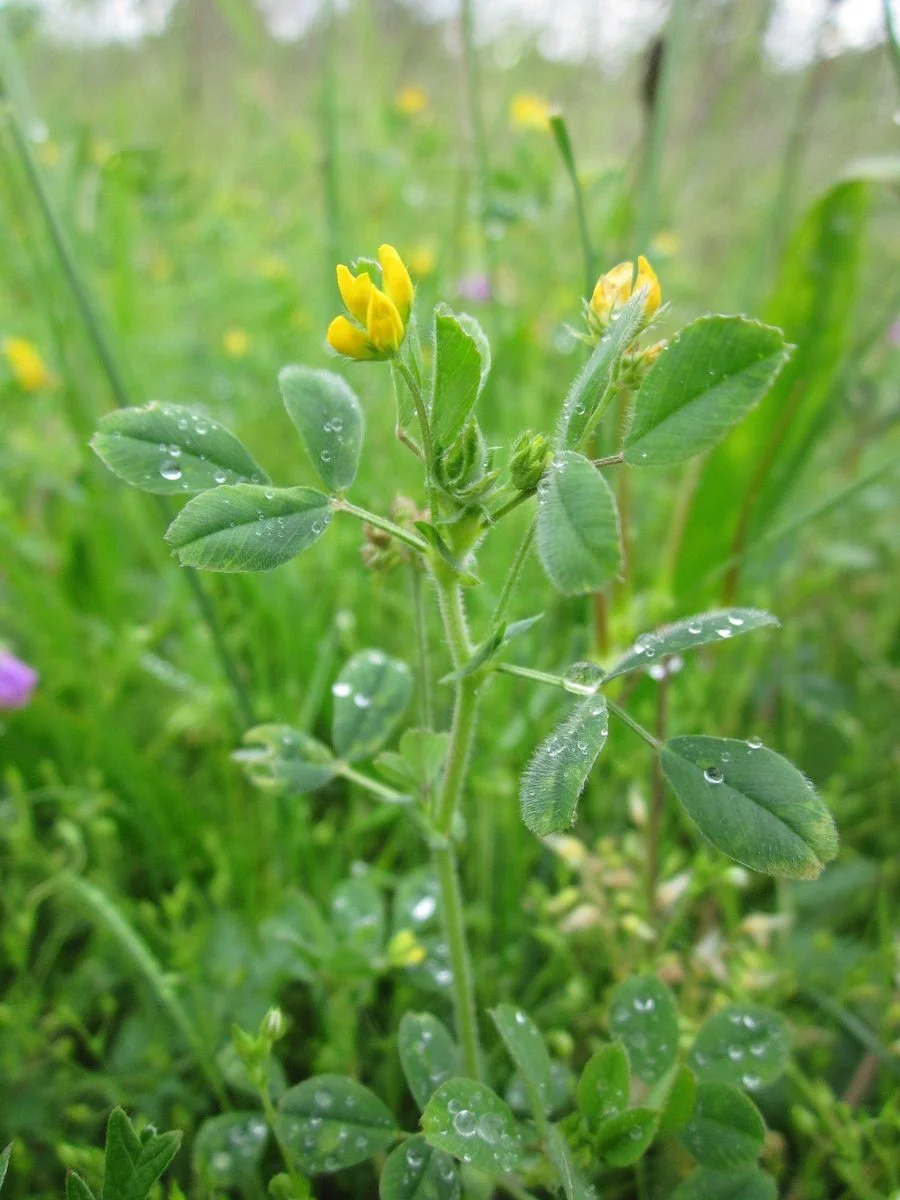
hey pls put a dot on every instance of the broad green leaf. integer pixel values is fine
(370, 696)
(725, 1130)
(286, 760)
(416, 901)
(330, 1122)
(4, 1162)
(706, 380)
(558, 1151)
(299, 935)
(122, 1151)
(688, 633)
(624, 1138)
(328, 418)
(157, 1151)
(744, 1044)
(597, 376)
(604, 1085)
(469, 1121)
(559, 1095)
(703, 1184)
(525, 1044)
(643, 1016)
(228, 1149)
(752, 804)
(558, 770)
(419, 761)
(171, 450)
(357, 914)
(76, 1188)
(679, 1100)
(578, 539)
(247, 527)
(416, 1171)
(461, 364)
(428, 1054)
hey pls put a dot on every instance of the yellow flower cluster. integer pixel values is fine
(529, 111)
(411, 100)
(617, 286)
(379, 317)
(28, 368)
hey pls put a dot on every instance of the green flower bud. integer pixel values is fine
(273, 1025)
(530, 458)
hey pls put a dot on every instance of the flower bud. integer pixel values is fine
(530, 458)
(273, 1025)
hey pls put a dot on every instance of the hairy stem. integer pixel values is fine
(397, 531)
(509, 584)
(426, 706)
(462, 735)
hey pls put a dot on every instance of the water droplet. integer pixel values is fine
(713, 775)
(465, 1123)
(751, 1081)
(269, 495)
(735, 1053)
(725, 756)
(636, 1134)
(361, 700)
(754, 742)
(735, 620)
(341, 689)
(220, 476)
(175, 451)
(490, 1128)
(424, 908)
(555, 747)
(201, 427)
(325, 456)
(221, 1161)
(657, 671)
(170, 470)
(644, 1003)
(520, 1017)
(323, 1099)
(724, 632)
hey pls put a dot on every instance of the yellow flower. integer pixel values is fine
(411, 100)
(235, 343)
(422, 261)
(529, 111)
(379, 317)
(26, 364)
(615, 288)
(403, 950)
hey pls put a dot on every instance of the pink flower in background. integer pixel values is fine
(474, 287)
(17, 681)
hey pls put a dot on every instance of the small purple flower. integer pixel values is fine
(474, 287)
(17, 681)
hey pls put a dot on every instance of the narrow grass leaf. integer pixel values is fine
(643, 1016)
(703, 1184)
(604, 1085)
(560, 1154)
(752, 804)
(725, 1130)
(558, 770)
(247, 527)
(578, 539)
(428, 1054)
(744, 1044)
(596, 378)
(416, 1171)
(471, 1122)
(4, 1162)
(330, 1122)
(370, 695)
(707, 379)
(688, 633)
(329, 419)
(525, 1044)
(461, 363)
(281, 759)
(228, 1149)
(171, 450)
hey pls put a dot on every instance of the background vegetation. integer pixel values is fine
(207, 181)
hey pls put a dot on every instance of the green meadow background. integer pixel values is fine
(206, 181)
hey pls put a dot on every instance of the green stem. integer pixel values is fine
(512, 577)
(559, 681)
(635, 725)
(370, 518)
(564, 145)
(462, 736)
(375, 786)
(479, 137)
(508, 507)
(298, 1183)
(415, 391)
(426, 704)
(103, 350)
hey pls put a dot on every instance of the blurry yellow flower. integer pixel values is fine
(529, 111)
(235, 343)
(379, 318)
(411, 100)
(49, 154)
(26, 364)
(422, 261)
(615, 288)
(666, 243)
(403, 950)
